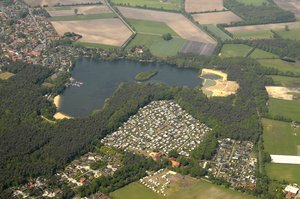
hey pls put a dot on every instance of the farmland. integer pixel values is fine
(112, 32)
(216, 18)
(285, 81)
(217, 32)
(261, 54)
(280, 65)
(287, 172)
(166, 5)
(235, 50)
(61, 2)
(83, 17)
(260, 34)
(254, 2)
(290, 34)
(285, 108)
(81, 10)
(276, 26)
(280, 138)
(290, 5)
(203, 5)
(6, 75)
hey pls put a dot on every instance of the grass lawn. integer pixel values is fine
(199, 190)
(261, 54)
(280, 138)
(285, 108)
(6, 75)
(92, 45)
(135, 190)
(287, 172)
(157, 45)
(285, 81)
(290, 34)
(217, 32)
(262, 34)
(83, 17)
(235, 50)
(152, 27)
(166, 5)
(254, 2)
(280, 65)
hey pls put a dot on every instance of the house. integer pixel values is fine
(291, 191)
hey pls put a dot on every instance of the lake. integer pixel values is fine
(101, 78)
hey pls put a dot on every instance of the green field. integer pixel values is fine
(280, 65)
(199, 190)
(262, 34)
(285, 108)
(235, 50)
(92, 45)
(287, 172)
(285, 81)
(217, 32)
(157, 45)
(83, 17)
(280, 138)
(6, 75)
(152, 27)
(293, 34)
(165, 4)
(261, 54)
(254, 2)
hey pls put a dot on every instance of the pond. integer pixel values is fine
(101, 78)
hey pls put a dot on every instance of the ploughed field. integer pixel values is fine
(216, 17)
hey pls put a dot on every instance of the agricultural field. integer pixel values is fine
(217, 32)
(151, 27)
(157, 45)
(83, 17)
(235, 50)
(254, 2)
(280, 65)
(285, 93)
(81, 10)
(198, 48)
(275, 26)
(199, 189)
(61, 2)
(261, 34)
(293, 34)
(285, 81)
(193, 6)
(261, 54)
(6, 75)
(285, 108)
(165, 4)
(216, 18)
(280, 138)
(110, 32)
(286, 172)
(290, 5)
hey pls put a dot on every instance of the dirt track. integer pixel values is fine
(100, 31)
(203, 5)
(216, 17)
(86, 10)
(180, 24)
(264, 27)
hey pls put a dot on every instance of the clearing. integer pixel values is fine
(216, 18)
(285, 108)
(285, 81)
(164, 4)
(290, 5)
(203, 5)
(6, 75)
(109, 32)
(279, 92)
(287, 172)
(217, 32)
(274, 26)
(280, 138)
(235, 50)
(280, 65)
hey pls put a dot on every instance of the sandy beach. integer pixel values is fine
(60, 116)
(57, 101)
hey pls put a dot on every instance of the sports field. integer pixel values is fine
(261, 54)
(165, 4)
(287, 172)
(254, 2)
(235, 50)
(6, 75)
(216, 18)
(285, 81)
(217, 32)
(157, 45)
(285, 108)
(280, 138)
(280, 65)
(151, 27)
(199, 190)
(261, 34)
(293, 34)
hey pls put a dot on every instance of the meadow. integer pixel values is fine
(217, 32)
(260, 34)
(285, 108)
(261, 54)
(290, 34)
(285, 81)
(254, 2)
(235, 50)
(165, 5)
(280, 65)
(280, 138)
(286, 172)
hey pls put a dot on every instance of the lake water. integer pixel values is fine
(101, 78)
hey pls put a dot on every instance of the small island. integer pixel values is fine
(143, 76)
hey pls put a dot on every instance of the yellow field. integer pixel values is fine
(216, 17)
(6, 75)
